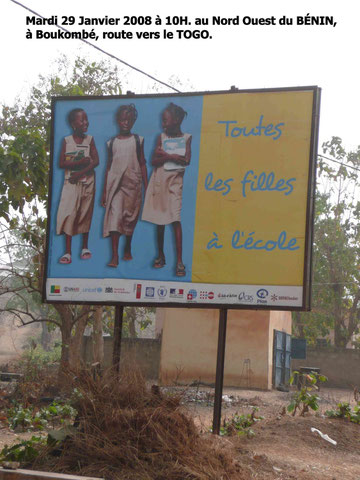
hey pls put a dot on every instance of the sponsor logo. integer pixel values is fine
(114, 290)
(227, 295)
(121, 291)
(176, 292)
(89, 290)
(149, 292)
(162, 292)
(245, 297)
(99, 289)
(206, 295)
(71, 289)
(274, 298)
(55, 289)
(192, 294)
(138, 290)
(262, 293)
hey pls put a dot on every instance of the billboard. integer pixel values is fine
(201, 199)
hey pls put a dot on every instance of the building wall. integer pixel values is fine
(188, 349)
(189, 346)
(159, 322)
(247, 347)
(143, 353)
(189, 341)
(342, 367)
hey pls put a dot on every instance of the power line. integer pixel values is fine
(340, 163)
(329, 283)
(101, 50)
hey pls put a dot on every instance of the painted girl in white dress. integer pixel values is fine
(125, 174)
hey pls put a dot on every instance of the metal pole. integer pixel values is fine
(219, 370)
(118, 323)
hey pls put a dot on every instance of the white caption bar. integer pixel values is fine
(148, 291)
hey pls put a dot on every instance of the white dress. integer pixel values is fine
(123, 187)
(163, 199)
(77, 200)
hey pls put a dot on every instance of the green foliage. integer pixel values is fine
(305, 398)
(240, 424)
(24, 175)
(31, 418)
(18, 416)
(34, 361)
(336, 282)
(24, 452)
(25, 127)
(58, 411)
(133, 317)
(344, 411)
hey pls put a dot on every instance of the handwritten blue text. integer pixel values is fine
(266, 183)
(268, 130)
(261, 182)
(250, 243)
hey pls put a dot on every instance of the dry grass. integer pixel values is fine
(127, 431)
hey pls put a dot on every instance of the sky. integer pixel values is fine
(247, 56)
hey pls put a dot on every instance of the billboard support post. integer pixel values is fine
(118, 324)
(219, 370)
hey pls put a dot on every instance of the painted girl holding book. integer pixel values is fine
(78, 157)
(163, 200)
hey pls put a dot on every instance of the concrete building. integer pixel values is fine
(189, 346)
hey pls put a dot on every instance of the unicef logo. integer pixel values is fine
(262, 293)
(99, 290)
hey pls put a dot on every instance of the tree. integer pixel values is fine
(24, 165)
(22, 282)
(336, 283)
(98, 340)
(25, 127)
(135, 319)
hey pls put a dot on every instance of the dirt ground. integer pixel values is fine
(283, 446)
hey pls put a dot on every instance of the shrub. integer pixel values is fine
(344, 411)
(31, 418)
(240, 424)
(306, 398)
(24, 452)
(35, 362)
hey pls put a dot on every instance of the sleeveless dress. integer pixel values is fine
(123, 188)
(163, 199)
(77, 200)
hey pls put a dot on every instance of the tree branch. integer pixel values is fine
(18, 313)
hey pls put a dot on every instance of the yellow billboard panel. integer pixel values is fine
(253, 188)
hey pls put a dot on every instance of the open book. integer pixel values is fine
(174, 146)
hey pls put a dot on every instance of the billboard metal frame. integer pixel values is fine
(307, 275)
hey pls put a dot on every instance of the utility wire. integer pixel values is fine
(102, 51)
(329, 283)
(340, 163)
